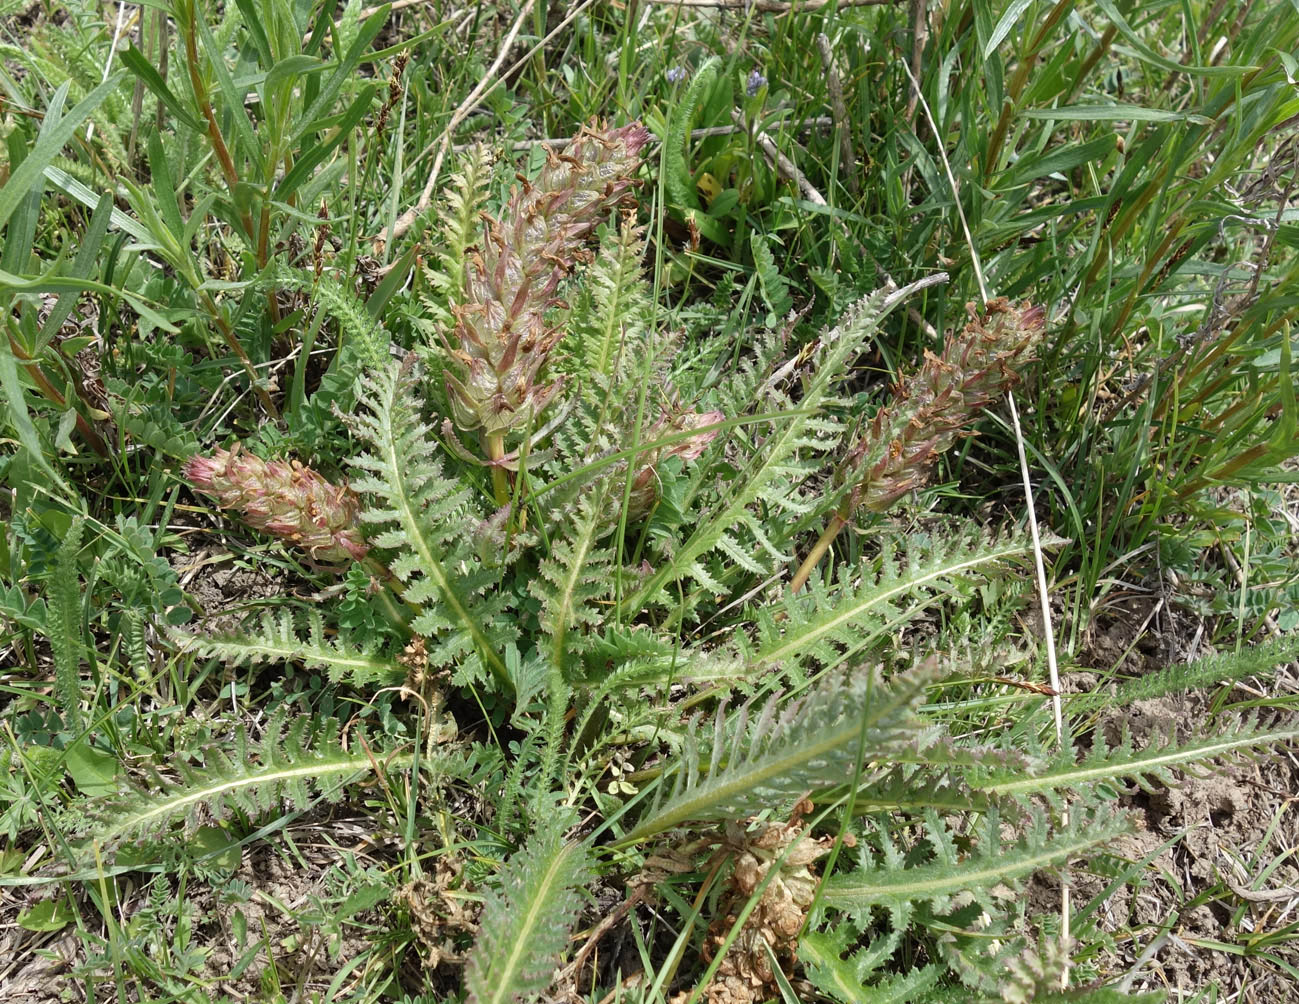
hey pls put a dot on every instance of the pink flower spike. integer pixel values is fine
(285, 499)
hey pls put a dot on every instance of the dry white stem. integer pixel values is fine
(1038, 561)
(443, 142)
(396, 5)
(951, 180)
(558, 142)
(1044, 597)
(491, 80)
(112, 50)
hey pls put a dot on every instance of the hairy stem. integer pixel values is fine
(500, 483)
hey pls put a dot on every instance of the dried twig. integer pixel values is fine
(785, 167)
(396, 5)
(574, 968)
(1258, 895)
(443, 143)
(491, 80)
(788, 170)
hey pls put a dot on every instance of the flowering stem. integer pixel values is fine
(496, 379)
(837, 522)
(500, 484)
(933, 408)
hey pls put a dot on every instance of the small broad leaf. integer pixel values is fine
(49, 915)
(219, 850)
(93, 771)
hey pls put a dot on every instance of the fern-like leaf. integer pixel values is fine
(637, 657)
(460, 228)
(818, 626)
(291, 763)
(777, 465)
(814, 745)
(844, 979)
(677, 176)
(65, 624)
(279, 639)
(576, 573)
(526, 919)
(426, 519)
(1106, 764)
(773, 286)
(890, 882)
(364, 338)
(611, 310)
(1257, 660)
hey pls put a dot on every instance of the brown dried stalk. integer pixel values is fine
(933, 408)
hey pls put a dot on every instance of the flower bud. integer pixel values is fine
(645, 488)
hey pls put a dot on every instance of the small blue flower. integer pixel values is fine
(755, 83)
(676, 74)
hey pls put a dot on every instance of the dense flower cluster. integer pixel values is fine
(502, 341)
(285, 499)
(935, 404)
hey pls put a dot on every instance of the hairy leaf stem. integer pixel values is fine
(500, 483)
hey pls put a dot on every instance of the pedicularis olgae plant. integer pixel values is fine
(615, 623)
(576, 542)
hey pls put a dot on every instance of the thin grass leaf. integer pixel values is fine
(55, 133)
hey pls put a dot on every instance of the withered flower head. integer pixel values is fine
(285, 499)
(768, 940)
(501, 340)
(645, 487)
